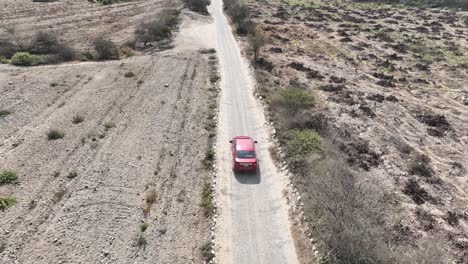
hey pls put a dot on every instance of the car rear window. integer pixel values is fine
(243, 154)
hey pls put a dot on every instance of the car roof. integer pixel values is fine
(244, 143)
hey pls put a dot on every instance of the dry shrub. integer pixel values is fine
(106, 49)
(348, 213)
(150, 200)
(274, 152)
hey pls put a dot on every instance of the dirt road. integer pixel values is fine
(254, 225)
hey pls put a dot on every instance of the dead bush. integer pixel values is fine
(44, 43)
(348, 214)
(8, 48)
(105, 49)
(159, 29)
(416, 192)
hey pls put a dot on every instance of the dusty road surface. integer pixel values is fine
(254, 225)
(82, 198)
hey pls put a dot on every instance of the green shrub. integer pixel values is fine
(55, 134)
(207, 200)
(295, 99)
(25, 59)
(72, 175)
(8, 177)
(143, 227)
(4, 113)
(300, 143)
(105, 49)
(77, 119)
(109, 125)
(129, 75)
(6, 202)
(420, 167)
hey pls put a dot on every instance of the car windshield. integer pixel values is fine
(245, 154)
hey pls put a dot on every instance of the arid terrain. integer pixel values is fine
(390, 84)
(108, 154)
(79, 22)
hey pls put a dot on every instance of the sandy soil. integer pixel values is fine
(392, 79)
(137, 137)
(78, 22)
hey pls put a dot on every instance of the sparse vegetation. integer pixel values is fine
(207, 199)
(149, 201)
(78, 119)
(105, 49)
(129, 75)
(295, 99)
(4, 113)
(8, 177)
(198, 5)
(72, 174)
(59, 195)
(256, 40)
(108, 2)
(25, 59)
(206, 252)
(300, 143)
(55, 134)
(43, 48)
(209, 158)
(159, 29)
(239, 14)
(431, 3)
(109, 125)
(143, 227)
(347, 213)
(7, 202)
(420, 167)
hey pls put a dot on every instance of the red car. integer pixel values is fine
(243, 154)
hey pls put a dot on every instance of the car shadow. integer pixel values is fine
(249, 177)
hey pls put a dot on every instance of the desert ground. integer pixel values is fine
(391, 85)
(79, 22)
(124, 182)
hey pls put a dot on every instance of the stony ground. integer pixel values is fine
(393, 81)
(130, 154)
(79, 22)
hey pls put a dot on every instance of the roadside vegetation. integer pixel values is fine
(353, 217)
(198, 5)
(207, 200)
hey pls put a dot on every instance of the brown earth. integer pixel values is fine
(391, 82)
(83, 198)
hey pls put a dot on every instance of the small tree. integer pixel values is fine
(256, 41)
(106, 49)
(159, 29)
